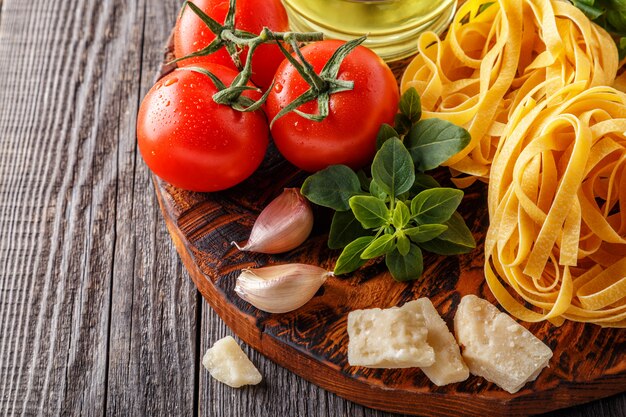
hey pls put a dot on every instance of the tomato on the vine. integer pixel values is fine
(194, 143)
(192, 35)
(348, 134)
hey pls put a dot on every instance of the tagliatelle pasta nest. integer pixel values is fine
(493, 55)
(528, 79)
(557, 197)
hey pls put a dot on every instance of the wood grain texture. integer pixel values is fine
(97, 315)
(88, 307)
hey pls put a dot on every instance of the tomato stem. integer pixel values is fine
(323, 85)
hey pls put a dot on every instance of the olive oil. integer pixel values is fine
(392, 25)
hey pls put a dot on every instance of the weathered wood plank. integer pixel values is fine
(71, 186)
(153, 319)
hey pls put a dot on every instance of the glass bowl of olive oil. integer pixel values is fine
(392, 25)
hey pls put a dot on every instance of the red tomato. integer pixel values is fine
(194, 143)
(191, 34)
(348, 135)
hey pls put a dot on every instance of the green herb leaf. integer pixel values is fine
(401, 215)
(403, 244)
(484, 7)
(380, 246)
(401, 123)
(621, 46)
(422, 182)
(425, 232)
(407, 267)
(344, 229)
(376, 191)
(436, 205)
(432, 142)
(370, 211)
(385, 132)
(332, 187)
(411, 105)
(364, 180)
(457, 239)
(393, 168)
(350, 259)
(588, 9)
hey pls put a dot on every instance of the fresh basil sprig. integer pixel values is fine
(399, 210)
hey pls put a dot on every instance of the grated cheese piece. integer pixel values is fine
(392, 338)
(229, 364)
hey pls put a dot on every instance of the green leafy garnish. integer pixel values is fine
(432, 142)
(332, 187)
(400, 210)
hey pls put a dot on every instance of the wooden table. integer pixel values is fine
(97, 315)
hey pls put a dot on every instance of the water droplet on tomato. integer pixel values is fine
(278, 87)
(297, 126)
(171, 81)
(167, 103)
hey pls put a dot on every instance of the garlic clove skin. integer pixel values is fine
(282, 226)
(280, 288)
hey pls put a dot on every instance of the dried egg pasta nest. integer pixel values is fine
(557, 196)
(493, 55)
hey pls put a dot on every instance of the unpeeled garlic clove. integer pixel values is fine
(282, 226)
(280, 288)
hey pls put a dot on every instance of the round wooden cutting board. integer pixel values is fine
(589, 362)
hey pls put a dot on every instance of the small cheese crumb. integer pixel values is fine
(496, 347)
(449, 366)
(391, 338)
(228, 364)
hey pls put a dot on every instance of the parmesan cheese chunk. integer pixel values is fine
(449, 366)
(391, 338)
(228, 364)
(496, 347)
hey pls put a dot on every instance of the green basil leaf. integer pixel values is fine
(432, 142)
(401, 123)
(332, 187)
(621, 46)
(411, 105)
(364, 180)
(436, 205)
(370, 211)
(405, 268)
(422, 182)
(457, 239)
(344, 229)
(403, 244)
(376, 191)
(393, 168)
(380, 246)
(350, 259)
(616, 17)
(401, 215)
(484, 7)
(385, 132)
(589, 10)
(425, 232)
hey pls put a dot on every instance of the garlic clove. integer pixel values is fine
(280, 288)
(282, 226)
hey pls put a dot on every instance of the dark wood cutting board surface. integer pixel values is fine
(588, 363)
